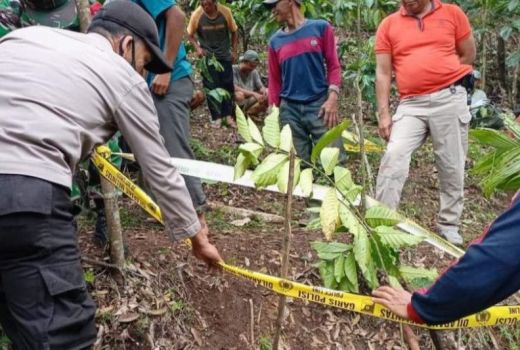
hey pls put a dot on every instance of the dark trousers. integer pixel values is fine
(44, 303)
(222, 106)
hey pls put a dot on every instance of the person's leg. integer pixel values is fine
(315, 126)
(226, 83)
(408, 133)
(210, 83)
(449, 131)
(44, 303)
(290, 114)
(173, 111)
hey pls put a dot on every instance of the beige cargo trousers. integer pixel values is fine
(444, 115)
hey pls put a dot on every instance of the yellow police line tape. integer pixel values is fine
(225, 173)
(498, 315)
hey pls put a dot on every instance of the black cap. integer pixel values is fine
(132, 17)
(272, 3)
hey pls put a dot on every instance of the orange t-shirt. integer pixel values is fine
(424, 53)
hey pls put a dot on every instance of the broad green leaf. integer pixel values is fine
(382, 216)
(510, 122)
(327, 138)
(254, 132)
(394, 282)
(241, 165)
(286, 140)
(306, 180)
(410, 272)
(327, 274)
(351, 272)
(271, 129)
(252, 151)
(328, 256)
(339, 268)
(350, 220)
(330, 247)
(343, 179)
(493, 138)
(242, 125)
(363, 255)
(418, 277)
(353, 193)
(283, 175)
(314, 224)
(329, 158)
(266, 173)
(347, 286)
(329, 213)
(395, 238)
(384, 257)
(505, 32)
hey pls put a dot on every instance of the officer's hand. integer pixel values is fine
(385, 126)
(329, 110)
(160, 84)
(396, 300)
(205, 251)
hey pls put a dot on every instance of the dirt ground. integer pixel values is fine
(168, 300)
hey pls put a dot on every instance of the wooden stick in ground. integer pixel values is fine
(115, 233)
(286, 248)
(84, 14)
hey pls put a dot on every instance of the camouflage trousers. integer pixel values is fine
(443, 115)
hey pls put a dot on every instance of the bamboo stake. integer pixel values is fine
(115, 234)
(286, 248)
(84, 14)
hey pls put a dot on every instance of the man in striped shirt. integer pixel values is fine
(304, 74)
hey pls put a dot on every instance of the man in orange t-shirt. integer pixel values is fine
(430, 47)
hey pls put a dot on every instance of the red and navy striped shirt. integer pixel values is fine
(303, 63)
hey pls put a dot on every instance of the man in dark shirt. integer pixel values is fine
(216, 31)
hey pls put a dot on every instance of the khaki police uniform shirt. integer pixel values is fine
(64, 93)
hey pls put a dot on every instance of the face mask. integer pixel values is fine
(121, 52)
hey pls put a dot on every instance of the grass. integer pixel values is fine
(511, 334)
(224, 154)
(264, 343)
(4, 341)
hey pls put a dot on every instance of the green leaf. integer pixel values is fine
(266, 173)
(493, 138)
(363, 255)
(283, 175)
(339, 268)
(418, 277)
(382, 216)
(242, 125)
(327, 138)
(306, 180)
(327, 274)
(351, 272)
(254, 132)
(329, 158)
(286, 140)
(330, 247)
(241, 165)
(271, 129)
(394, 282)
(329, 213)
(505, 32)
(350, 220)
(252, 151)
(385, 258)
(343, 179)
(328, 256)
(395, 238)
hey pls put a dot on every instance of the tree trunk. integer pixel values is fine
(115, 233)
(286, 248)
(501, 62)
(84, 14)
